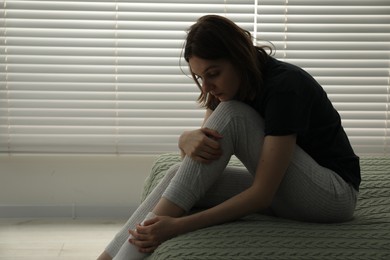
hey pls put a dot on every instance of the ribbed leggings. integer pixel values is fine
(308, 191)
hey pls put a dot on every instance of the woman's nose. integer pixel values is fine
(206, 86)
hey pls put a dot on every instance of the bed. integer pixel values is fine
(256, 236)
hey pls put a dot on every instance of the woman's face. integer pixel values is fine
(217, 77)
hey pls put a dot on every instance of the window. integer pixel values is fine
(106, 76)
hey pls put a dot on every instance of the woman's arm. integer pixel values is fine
(274, 160)
(201, 144)
(186, 133)
(273, 163)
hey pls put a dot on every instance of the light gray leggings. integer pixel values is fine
(308, 192)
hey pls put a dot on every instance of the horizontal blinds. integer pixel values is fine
(106, 77)
(100, 76)
(345, 45)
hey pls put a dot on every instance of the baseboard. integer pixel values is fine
(65, 211)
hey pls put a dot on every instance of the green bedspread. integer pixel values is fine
(367, 236)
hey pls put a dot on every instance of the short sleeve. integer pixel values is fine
(288, 107)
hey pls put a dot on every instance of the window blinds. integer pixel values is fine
(345, 45)
(106, 76)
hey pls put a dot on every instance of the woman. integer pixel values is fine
(276, 119)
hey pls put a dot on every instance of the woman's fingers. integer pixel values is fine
(149, 236)
(209, 155)
(136, 235)
(211, 150)
(202, 144)
(143, 242)
(211, 133)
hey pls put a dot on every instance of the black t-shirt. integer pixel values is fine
(292, 102)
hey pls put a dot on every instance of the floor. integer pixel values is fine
(44, 239)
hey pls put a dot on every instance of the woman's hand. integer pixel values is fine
(201, 145)
(154, 232)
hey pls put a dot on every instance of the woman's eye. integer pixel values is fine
(208, 76)
(213, 74)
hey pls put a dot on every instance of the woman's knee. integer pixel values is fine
(235, 108)
(235, 114)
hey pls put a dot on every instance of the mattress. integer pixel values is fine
(366, 236)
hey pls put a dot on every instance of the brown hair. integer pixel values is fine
(216, 37)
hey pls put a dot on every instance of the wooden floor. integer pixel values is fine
(44, 239)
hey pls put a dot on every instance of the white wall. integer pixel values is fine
(71, 186)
